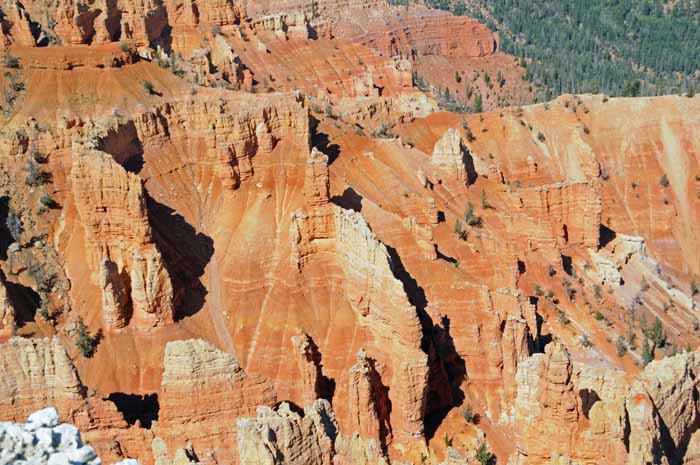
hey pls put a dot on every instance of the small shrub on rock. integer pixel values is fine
(85, 342)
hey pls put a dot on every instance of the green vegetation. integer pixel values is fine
(149, 87)
(126, 47)
(9, 60)
(644, 285)
(13, 223)
(35, 176)
(85, 342)
(172, 63)
(448, 440)
(647, 352)
(631, 88)
(470, 217)
(485, 201)
(469, 415)
(468, 131)
(571, 294)
(478, 104)
(597, 293)
(38, 156)
(484, 456)
(585, 341)
(627, 47)
(383, 132)
(656, 334)
(631, 339)
(620, 346)
(47, 201)
(563, 318)
(461, 233)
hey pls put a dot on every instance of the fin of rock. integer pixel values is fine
(451, 155)
(375, 294)
(111, 202)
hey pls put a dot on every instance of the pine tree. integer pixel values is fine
(647, 352)
(484, 456)
(470, 217)
(657, 335)
(620, 346)
(84, 341)
(478, 104)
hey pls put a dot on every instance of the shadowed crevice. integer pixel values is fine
(676, 452)
(6, 238)
(123, 143)
(325, 385)
(606, 236)
(25, 301)
(135, 407)
(447, 369)
(588, 399)
(186, 254)
(349, 200)
(322, 142)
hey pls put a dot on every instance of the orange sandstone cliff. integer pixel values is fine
(244, 233)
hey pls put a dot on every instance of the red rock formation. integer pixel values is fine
(451, 155)
(309, 360)
(7, 312)
(203, 391)
(518, 320)
(322, 8)
(229, 135)
(285, 436)
(284, 260)
(20, 32)
(130, 271)
(572, 214)
(585, 413)
(367, 398)
(284, 26)
(664, 410)
(419, 31)
(375, 295)
(560, 414)
(316, 182)
(331, 70)
(39, 373)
